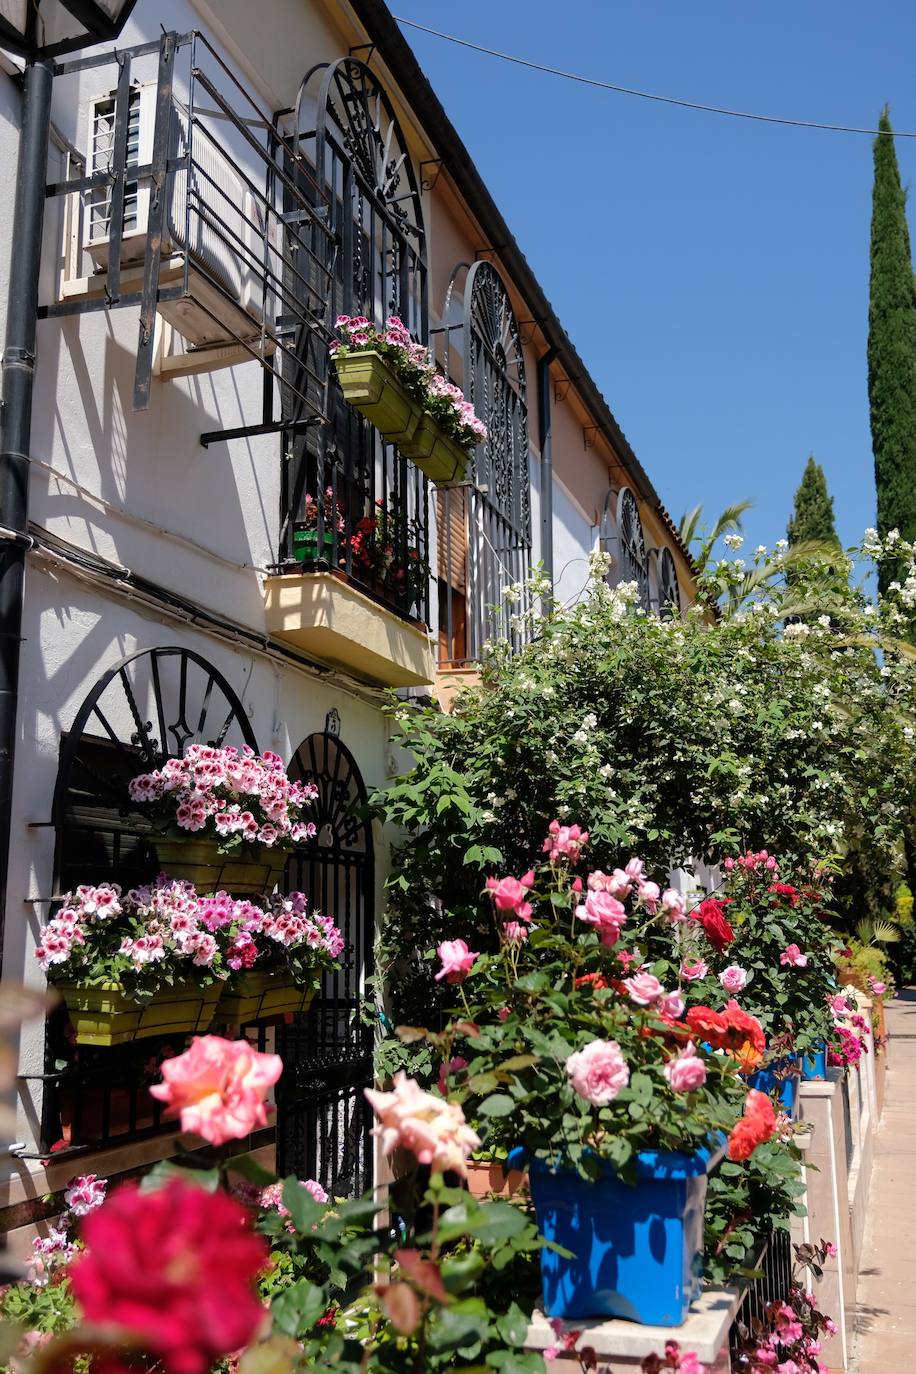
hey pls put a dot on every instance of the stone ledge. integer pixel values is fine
(705, 1331)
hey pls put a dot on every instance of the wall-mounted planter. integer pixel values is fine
(105, 1015)
(256, 869)
(376, 391)
(781, 1078)
(436, 453)
(637, 1249)
(254, 996)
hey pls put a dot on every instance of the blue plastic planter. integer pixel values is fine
(766, 1081)
(637, 1250)
(815, 1065)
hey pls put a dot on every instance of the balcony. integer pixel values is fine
(351, 585)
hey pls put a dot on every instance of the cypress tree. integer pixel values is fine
(892, 347)
(812, 516)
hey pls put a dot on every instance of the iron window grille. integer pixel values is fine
(485, 526)
(351, 502)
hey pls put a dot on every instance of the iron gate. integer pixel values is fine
(323, 1119)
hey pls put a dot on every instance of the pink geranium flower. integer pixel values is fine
(793, 957)
(457, 961)
(85, 1193)
(219, 1087)
(598, 1072)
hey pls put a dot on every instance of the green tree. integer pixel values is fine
(892, 348)
(812, 515)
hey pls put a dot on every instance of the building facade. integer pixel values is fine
(221, 548)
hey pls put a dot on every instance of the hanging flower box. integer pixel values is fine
(392, 380)
(373, 388)
(436, 453)
(107, 1015)
(250, 869)
(256, 995)
(637, 1249)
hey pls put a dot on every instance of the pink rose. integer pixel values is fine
(219, 1087)
(734, 978)
(674, 905)
(514, 932)
(433, 1130)
(457, 960)
(793, 957)
(598, 1071)
(839, 1004)
(692, 969)
(564, 842)
(686, 1071)
(644, 988)
(605, 913)
(649, 896)
(672, 1005)
(509, 893)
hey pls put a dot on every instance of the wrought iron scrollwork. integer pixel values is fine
(632, 545)
(669, 595)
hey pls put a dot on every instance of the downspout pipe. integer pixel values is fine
(544, 437)
(16, 422)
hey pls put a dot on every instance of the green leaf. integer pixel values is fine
(497, 1104)
(461, 1325)
(163, 1173)
(513, 1327)
(460, 1271)
(250, 1168)
(297, 1310)
(303, 1210)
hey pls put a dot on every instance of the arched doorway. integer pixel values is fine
(323, 1119)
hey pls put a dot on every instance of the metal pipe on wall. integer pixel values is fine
(545, 440)
(16, 422)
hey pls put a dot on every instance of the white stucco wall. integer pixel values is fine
(573, 539)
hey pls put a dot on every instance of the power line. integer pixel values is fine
(647, 95)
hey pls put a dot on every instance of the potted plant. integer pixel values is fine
(579, 1065)
(226, 817)
(132, 965)
(391, 379)
(387, 559)
(275, 953)
(308, 545)
(768, 940)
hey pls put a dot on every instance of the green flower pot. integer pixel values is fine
(254, 996)
(106, 1015)
(309, 548)
(250, 869)
(376, 391)
(436, 453)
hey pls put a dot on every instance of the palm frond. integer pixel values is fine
(730, 519)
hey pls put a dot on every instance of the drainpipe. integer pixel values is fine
(544, 436)
(16, 422)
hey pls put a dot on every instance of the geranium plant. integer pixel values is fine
(276, 935)
(233, 795)
(572, 1044)
(380, 556)
(787, 1337)
(417, 371)
(146, 939)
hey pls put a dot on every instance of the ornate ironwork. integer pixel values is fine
(632, 545)
(357, 160)
(322, 1117)
(669, 594)
(150, 705)
(499, 506)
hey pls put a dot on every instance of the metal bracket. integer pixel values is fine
(221, 436)
(589, 434)
(428, 182)
(484, 252)
(561, 388)
(363, 47)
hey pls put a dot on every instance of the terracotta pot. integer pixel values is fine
(255, 996)
(487, 1177)
(253, 868)
(105, 1015)
(850, 978)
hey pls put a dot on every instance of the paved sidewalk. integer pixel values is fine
(886, 1297)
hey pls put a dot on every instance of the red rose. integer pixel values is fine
(708, 1025)
(742, 1028)
(175, 1267)
(786, 890)
(711, 916)
(757, 1125)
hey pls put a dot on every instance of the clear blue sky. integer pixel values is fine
(712, 272)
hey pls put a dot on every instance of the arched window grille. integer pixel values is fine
(148, 707)
(487, 526)
(669, 595)
(631, 545)
(347, 144)
(323, 1119)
